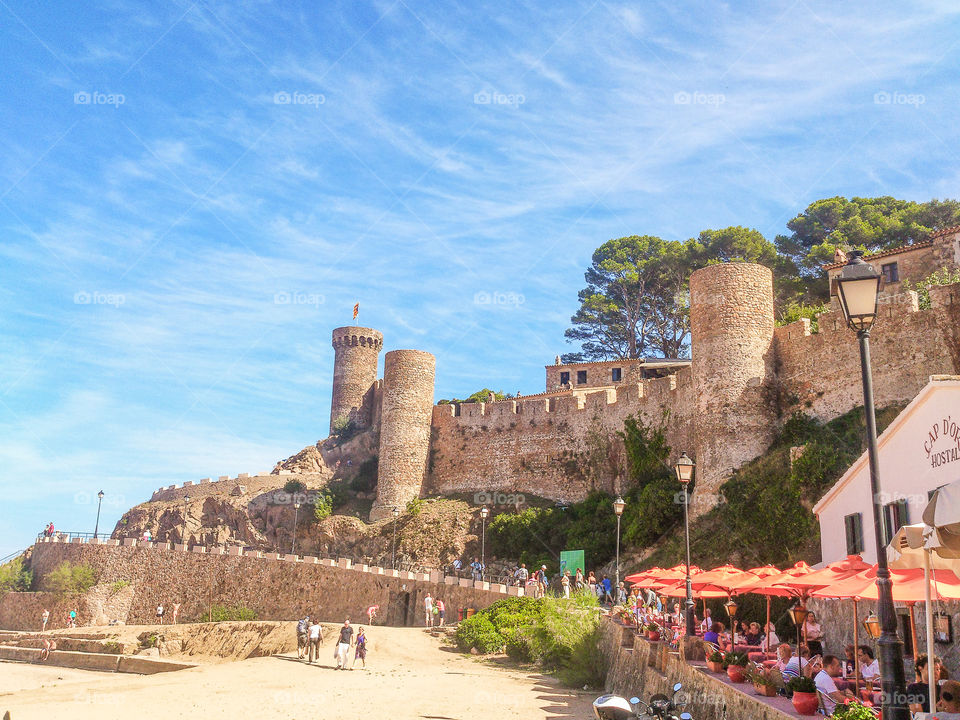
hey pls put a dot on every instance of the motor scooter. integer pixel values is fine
(614, 707)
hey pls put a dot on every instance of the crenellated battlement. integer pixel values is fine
(225, 484)
(358, 337)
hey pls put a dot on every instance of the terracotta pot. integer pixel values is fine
(653, 635)
(805, 703)
(714, 667)
(735, 673)
(765, 690)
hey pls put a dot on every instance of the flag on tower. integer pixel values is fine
(356, 310)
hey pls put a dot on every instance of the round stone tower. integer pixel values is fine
(405, 417)
(731, 340)
(357, 351)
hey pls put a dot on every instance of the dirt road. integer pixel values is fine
(409, 675)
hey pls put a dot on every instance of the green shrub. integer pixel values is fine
(735, 658)
(478, 632)
(294, 486)
(322, 505)
(118, 585)
(415, 506)
(943, 276)
(566, 640)
(795, 311)
(15, 577)
(221, 613)
(68, 579)
(344, 429)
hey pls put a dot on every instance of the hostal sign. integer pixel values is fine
(943, 442)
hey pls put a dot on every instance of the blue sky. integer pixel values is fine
(192, 195)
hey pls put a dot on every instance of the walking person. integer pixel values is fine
(578, 580)
(439, 609)
(522, 575)
(73, 618)
(303, 632)
(565, 582)
(542, 581)
(44, 619)
(372, 613)
(160, 613)
(428, 610)
(607, 588)
(360, 653)
(476, 568)
(343, 645)
(176, 612)
(316, 640)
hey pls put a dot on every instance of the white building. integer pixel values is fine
(919, 452)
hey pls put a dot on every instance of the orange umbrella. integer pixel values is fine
(679, 590)
(908, 586)
(827, 575)
(721, 578)
(639, 578)
(671, 575)
(770, 584)
(750, 578)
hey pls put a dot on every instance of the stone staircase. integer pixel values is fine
(83, 651)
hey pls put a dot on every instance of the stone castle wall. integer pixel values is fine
(536, 446)
(819, 373)
(225, 485)
(276, 587)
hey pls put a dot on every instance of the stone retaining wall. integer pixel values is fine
(637, 667)
(275, 587)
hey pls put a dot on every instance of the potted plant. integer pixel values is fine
(854, 711)
(763, 681)
(715, 662)
(736, 665)
(653, 632)
(804, 697)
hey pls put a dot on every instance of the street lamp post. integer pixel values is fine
(96, 526)
(393, 548)
(618, 506)
(684, 469)
(798, 613)
(296, 511)
(858, 288)
(484, 513)
(183, 536)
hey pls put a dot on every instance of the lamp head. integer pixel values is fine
(858, 289)
(484, 512)
(684, 468)
(100, 494)
(872, 625)
(731, 608)
(798, 614)
(618, 506)
(395, 511)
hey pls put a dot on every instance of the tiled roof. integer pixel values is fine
(891, 251)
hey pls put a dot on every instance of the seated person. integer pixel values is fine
(770, 639)
(849, 662)
(707, 621)
(918, 692)
(753, 636)
(796, 664)
(723, 636)
(828, 669)
(869, 667)
(713, 634)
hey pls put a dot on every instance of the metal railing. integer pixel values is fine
(65, 535)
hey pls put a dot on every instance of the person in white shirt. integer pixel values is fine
(707, 621)
(825, 683)
(428, 608)
(770, 639)
(869, 668)
(315, 634)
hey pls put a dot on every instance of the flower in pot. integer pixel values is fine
(764, 682)
(715, 662)
(736, 664)
(804, 698)
(854, 711)
(653, 632)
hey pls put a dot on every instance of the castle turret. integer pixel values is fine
(354, 374)
(731, 339)
(407, 410)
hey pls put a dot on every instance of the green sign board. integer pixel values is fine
(571, 560)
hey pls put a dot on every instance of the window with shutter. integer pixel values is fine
(854, 531)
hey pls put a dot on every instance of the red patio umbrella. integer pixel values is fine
(638, 578)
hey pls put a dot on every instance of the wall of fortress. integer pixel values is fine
(529, 446)
(819, 373)
(276, 587)
(224, 485)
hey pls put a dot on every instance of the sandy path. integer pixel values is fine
(410, 675)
